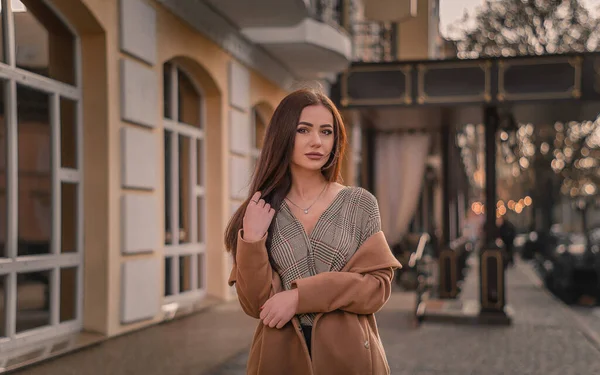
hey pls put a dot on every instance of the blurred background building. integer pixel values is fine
(129, 130)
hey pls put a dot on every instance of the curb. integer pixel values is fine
(589, 333)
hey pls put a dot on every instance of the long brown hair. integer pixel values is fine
(272, 177)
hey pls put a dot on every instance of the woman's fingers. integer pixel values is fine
(266, 313)
(270, 317)
(281, 323)
(255, 197)
(274, 322)
(263, 314)
(265, 310)
(257, 218)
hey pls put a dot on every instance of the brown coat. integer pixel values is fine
(345, 339)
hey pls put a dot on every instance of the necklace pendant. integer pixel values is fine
(306, 212)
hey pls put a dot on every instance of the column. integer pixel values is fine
(141, 160)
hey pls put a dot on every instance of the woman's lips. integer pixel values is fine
(314, 156)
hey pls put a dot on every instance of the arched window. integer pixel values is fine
(261, 115)
(185, 224)
(41, 216)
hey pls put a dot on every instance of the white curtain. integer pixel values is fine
(400, 161)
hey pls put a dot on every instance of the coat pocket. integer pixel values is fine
(339, 345)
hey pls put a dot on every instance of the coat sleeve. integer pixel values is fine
(362, 287)
(358, 293)
(252, 275)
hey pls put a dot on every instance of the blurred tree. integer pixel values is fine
(576, 158)
(526, 27)
(536, 27)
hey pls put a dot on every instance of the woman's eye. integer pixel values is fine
(327, 132)
(302, 130)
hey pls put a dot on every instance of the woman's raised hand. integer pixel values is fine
(257, 218)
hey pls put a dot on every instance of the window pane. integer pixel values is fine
(68, 133)
(68, 294)
(254, 161)
(168, 273)
(188, 100)
(200, 162)
(259, 128)
(68, 193)
(168, 195)
(167, 91)
(3, 300)
(33, 300)
(184, 189)
(185, 273)
(201, 271)
(3, 157)
(35, 177)
(201, 220)
(43, 44)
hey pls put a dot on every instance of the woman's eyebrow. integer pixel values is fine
(311, 125)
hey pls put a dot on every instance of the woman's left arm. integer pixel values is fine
(358, 293)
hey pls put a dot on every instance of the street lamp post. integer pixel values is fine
(492, 290)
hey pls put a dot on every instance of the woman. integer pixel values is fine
(317, 273)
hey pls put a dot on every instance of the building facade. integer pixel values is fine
(128, 135)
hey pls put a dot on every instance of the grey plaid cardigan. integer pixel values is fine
(350, 220)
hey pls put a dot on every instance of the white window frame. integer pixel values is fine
(13, 264)
(194, 248)
(255, 151)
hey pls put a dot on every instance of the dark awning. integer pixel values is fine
(486, 81)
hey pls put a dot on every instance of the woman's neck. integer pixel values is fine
(306, 184)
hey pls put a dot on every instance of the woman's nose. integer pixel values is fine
(315, 139)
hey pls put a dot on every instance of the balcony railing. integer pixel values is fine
(371, 41)
(330, 12)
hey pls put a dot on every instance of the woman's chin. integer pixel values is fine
(310, 166)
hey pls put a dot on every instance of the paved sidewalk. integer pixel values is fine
(590, 317)
(191, 345)
(545, 338)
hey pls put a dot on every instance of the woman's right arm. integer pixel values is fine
(252, 272)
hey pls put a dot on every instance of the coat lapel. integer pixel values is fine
(374, 254)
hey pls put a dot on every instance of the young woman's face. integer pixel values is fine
(314, 138)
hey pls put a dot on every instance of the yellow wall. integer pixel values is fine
(263, 91)
(97, 23)
(413, 35)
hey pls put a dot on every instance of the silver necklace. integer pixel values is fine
(308, 208)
